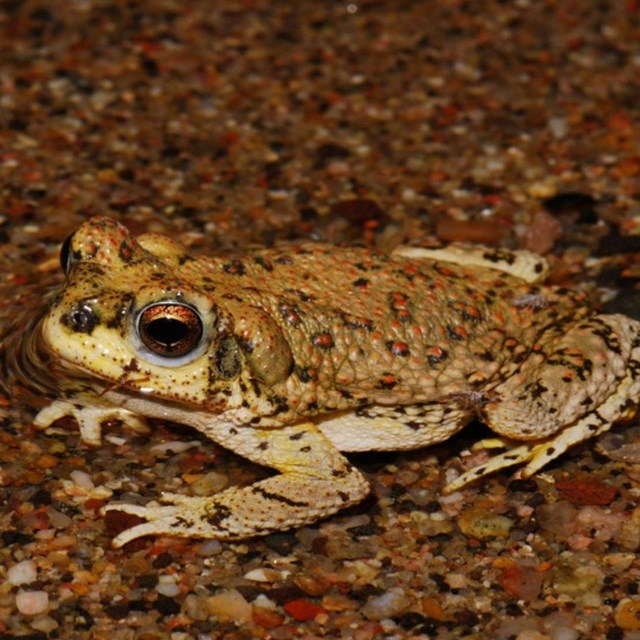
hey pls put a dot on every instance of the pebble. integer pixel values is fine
(43, 623)
(82, 479)
(482, 524)
(558, 518)
(209, 548)
(521, 582)
(229, 606)
(627, 614)
(209, 483)
(302, 609)
(389, 604)
(32, 603)
(167, 586)
(24, 572)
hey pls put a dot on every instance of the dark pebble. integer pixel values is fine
(613, 244)
(280, 595)
(163, 560)
(358, 211)
(528, 486)
(147, 581)
(166, 606)
(117, 611)
(412, 619)
(327, 152)
(281, 543)
(627, 302)
(573, 202)
(366, 530)
(16, 537)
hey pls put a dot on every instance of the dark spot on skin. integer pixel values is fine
(360, 282)
(260, 261)
(219, 514)
(132, 365)
(184, 258)
(297, 436)
(246, 344)
(305, 449)
(436, 354)
(227, 359)
(398, 303)
(537, 390)
(455, 332)
(499, 256)
(303, 373)
(305, 297)
(122, 311)
(322, 340)
(284, 260)
(263, 446)
(398, 348)
(125, 252)
(281, 406)
(387, 381)
(356, 322)
(234, 267)
(343, 496)
(82, 318)
(290, 313)
(268, 495)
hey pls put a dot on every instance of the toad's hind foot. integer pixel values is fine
(315, 481)
(620, 405)
(270, 505)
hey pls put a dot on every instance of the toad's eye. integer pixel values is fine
(170, 329)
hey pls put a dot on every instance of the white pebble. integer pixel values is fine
(24, 572)
(209, 548)
(388, 604)
(167, 586)
(46, 624)
(32, 603)
(82, 479)
(173, 446)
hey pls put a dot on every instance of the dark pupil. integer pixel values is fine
(167, 331)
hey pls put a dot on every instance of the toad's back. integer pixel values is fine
(364, 327)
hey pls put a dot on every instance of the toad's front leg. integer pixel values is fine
(315, 480)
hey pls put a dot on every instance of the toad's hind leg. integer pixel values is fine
(315, 480)
(573, 388)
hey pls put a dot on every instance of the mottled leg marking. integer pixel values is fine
(315, 481)
(621, 353)
(90, 419)
(380, 427)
